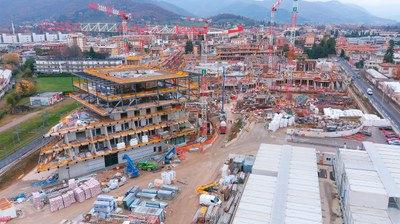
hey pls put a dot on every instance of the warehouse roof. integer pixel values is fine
(283, 187)
(375, 74)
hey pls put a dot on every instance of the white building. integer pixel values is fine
(24, 38)
(9, 39)
(38, 37)
(51, 37)
(60, 65)
(369, 184)
(283, 187)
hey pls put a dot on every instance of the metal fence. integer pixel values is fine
(32, 146)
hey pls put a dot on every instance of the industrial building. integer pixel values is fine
(60, 65)
(133, 110)
(45, 99)
(282, 188)
(369, 184)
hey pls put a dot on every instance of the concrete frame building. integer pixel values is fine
(60, 65)
(282, 188)
(132, 110)
(369, 184)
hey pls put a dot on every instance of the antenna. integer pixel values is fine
(12, 27)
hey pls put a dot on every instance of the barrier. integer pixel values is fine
(322, 134)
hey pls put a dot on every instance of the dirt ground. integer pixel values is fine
(198, 169)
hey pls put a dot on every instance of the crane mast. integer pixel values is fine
(274, 8)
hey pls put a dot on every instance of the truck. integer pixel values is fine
(145, 165)
(222, 127)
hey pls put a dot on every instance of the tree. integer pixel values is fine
(11, 100)
(11, 58)
(25, 88)
(388, 57)
(189, 47)
(72, 52)
(360, 64)
(92, 54)
(342, 53)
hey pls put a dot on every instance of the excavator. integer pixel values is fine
(208, 188)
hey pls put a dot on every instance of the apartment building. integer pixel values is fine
(134, 110)
(60, 65)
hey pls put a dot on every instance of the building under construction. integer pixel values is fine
(134, 110)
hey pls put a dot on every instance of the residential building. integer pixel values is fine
(60, 65)
(368, 184)
(133, 110)
(282, 188)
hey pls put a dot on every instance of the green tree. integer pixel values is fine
(189, 47)
(388, 57)
(11, 100)
(92, 53)
(342, 53)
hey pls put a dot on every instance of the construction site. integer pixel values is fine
(236, 131)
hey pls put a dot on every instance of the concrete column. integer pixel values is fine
(105, 131)
(66, 139)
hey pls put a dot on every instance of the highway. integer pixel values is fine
(380, 103)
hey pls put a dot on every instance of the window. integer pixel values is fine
(155, 149)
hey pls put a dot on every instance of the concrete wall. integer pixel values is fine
(322, 134)
(92, 165)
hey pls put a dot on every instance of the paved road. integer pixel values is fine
(386, 109)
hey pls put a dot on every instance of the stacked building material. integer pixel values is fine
(166, 177)
(37, 202)
(104, 206)
(133, 189)
(71, 196)
(164, 194)
(170, 188)
(146, 195)
(79, 194)
(56, 203)
(154, 204)
(248, 163)
(150, 191)
(127, 201)
(66, 200)
(134, 204)
(94, 186)
(72, 184)
(145, 211)
(86, 189)
(158, 183)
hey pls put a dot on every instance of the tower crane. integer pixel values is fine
(291, 52)
(274, 8)
(124, 16)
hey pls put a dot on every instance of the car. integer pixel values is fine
(387, 128)
(369, 91)
(392, 139)
(394, 142)
(365, 132)
(391, 136)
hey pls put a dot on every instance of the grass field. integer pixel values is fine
(31, 130)
(49, 84)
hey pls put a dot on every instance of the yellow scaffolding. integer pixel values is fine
(112, 122)
(50, 148)
(47, 166)
(165, 74)
(131, 95)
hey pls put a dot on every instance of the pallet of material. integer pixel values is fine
(56, 203)
(86, 189)
(228, 204)
(37, 202)
(79, 194)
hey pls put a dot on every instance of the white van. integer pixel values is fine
(369, 91)
(207, 200)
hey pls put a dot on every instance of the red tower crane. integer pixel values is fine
(124, 16)
(274, 8)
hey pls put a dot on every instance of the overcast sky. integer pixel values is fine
(383, 8)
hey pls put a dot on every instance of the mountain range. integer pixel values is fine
(169, 11)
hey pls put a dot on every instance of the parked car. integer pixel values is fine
(394, 142)
(392, 139)
(388, 128)
(391, 135)
(365, 132)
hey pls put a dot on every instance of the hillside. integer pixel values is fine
(225, 18)
(317, 12)
(77, 11)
